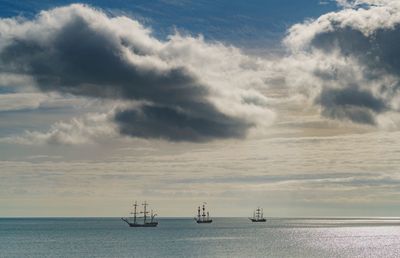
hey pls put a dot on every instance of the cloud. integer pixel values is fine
(24, 101)
(357, 105)
(351, 175)
(20, 101)
(324, 2)
(354, 71)
(91, 128)
(343, 65)
(154, 122)
(188, 89)
(361, 3)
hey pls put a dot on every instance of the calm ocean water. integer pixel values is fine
(226, 237)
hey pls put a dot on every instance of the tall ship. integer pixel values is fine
(202, 217)
(258, 216)
(143, 218)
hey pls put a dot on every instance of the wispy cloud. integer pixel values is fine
(357, 170)
(91, 128)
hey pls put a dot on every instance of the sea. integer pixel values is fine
(182, 237)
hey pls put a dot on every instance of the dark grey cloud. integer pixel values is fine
(378, 51)
(90, 62)
(175, 125)
(356, 55)
(352, 104)
(81, 51)
(378, 54)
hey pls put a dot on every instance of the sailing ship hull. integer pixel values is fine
(203, 221)
(151, 224)
(144, 225)
(257, 220)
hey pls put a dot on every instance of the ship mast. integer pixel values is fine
(153, 215)
(258, 213)
(198, 213)
(144, 211)
(134, 212)
(204, 212)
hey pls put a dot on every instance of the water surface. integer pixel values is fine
(225, 237)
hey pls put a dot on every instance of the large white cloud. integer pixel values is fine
(352, 58)
(345, 63)
(188, 89)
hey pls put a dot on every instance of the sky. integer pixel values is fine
(292, 106)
